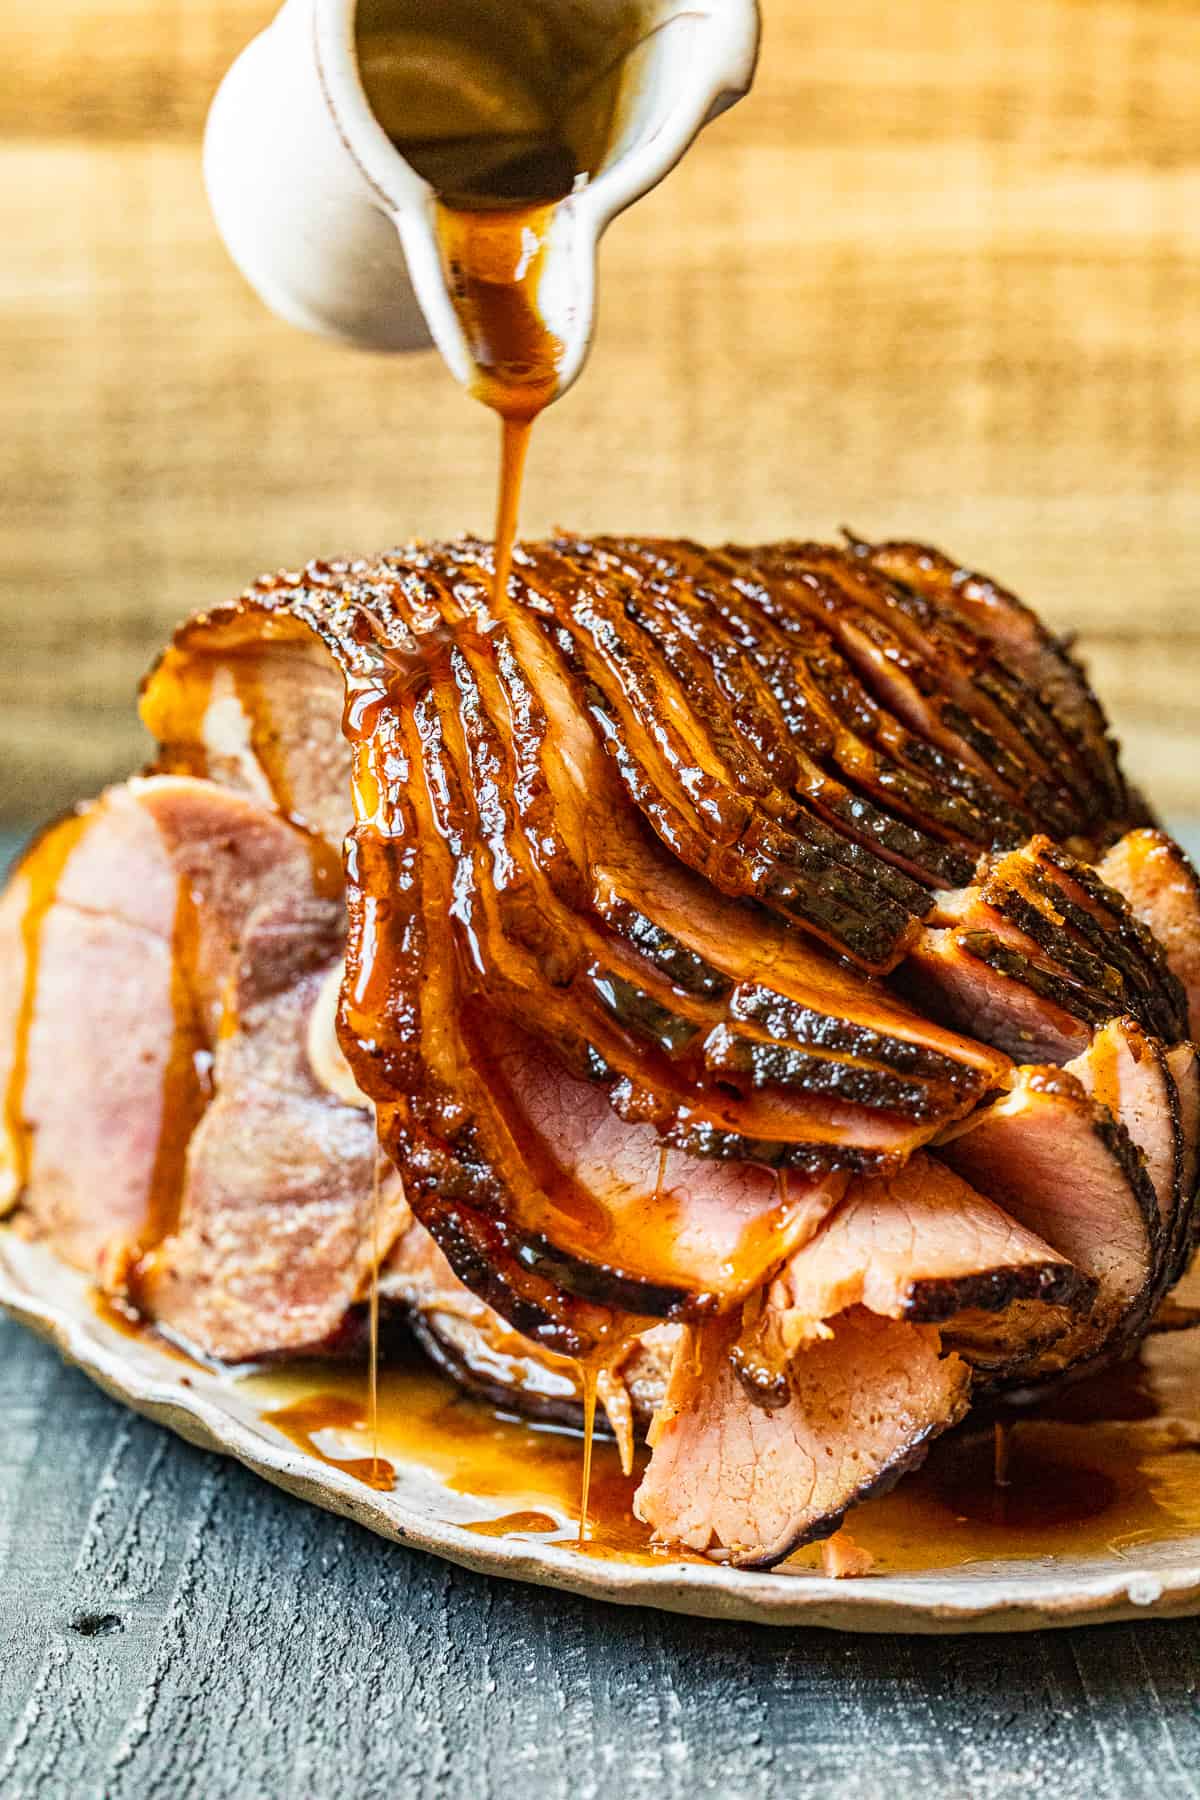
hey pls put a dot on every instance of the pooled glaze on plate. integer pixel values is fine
(1101, 1519)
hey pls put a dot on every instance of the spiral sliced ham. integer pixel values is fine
(709, 927)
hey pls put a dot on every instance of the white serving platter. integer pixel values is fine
(212, 1408)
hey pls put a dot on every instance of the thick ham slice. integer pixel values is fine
(625, 1203)
(746, 1484)
(923, 1245)
(275, 1237)
(1163, 889)
(178, 1143)
(121, 930)
(86, 1026)
(258, 713)
(1103, 1216)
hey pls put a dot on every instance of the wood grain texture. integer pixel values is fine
(940, 274)
(175, 1628)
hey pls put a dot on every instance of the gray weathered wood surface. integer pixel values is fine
(170, 1627)
(174, 1627)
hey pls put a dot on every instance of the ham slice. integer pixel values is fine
(1130, 1073)
(1058, 1162)
(275, 1237)
(257, 712)
(179, 1143)
(1163, 889)
(1020, 1003)
(86, 1026)
(617, 1199)
(745, 1484)
(122, 929)
(923, 1245)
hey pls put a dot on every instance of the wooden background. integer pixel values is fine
(940, 274)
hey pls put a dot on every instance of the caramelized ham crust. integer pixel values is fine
(1163, 890)
(1022, 644)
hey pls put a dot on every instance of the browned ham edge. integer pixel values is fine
(1184, 1063)
(1162, 888)
(1024, 644)
(1130, 1074)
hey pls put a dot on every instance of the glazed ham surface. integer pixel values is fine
(746, 972)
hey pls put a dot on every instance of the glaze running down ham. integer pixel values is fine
(738, 978)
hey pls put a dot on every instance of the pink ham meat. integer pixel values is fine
(155, 874)
(923, 1245)
(747, 1467)
(1162, 888)
(745, 1484)
(274, 1238)
(102, 960)
(1061, 1164)
(184, 932)
(258, 713)
(1020, 1003)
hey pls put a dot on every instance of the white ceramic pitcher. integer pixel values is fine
(335, 230)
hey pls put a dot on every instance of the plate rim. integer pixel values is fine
(875, 1604)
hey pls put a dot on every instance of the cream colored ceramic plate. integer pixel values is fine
(214, 1410)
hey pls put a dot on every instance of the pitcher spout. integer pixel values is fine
(346, 132)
